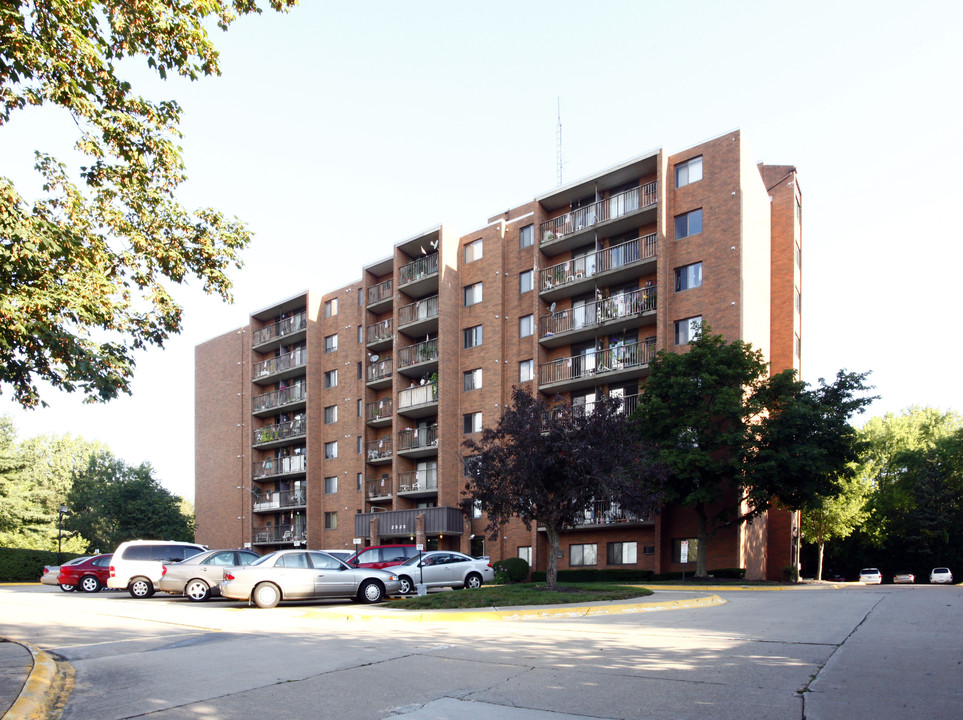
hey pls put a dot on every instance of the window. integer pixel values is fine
(526, 370)
(687, 330)
(798, 347)
(526, 281)
(331, 450)
(526, 325)
(360, 446)
(360, 407)
(473, 294)
(473, 251)
(687, 224)
(622, 553)
(331, 308)
(798, 301)
(330, 485)
(472, 379)
(360, 334)
(525, 553)
(688, 277)
(360, 297)
(330, 378)
(688, 172)
(330, 414)
(466, 465)
(472, 422)
(360, 482)
(476, 509)
(473, 336)
(677, 549)
(331, 343)
(360, 370)
(526, 236)
(331, 521)
(586, 554)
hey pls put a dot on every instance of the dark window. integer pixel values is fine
(687, 224)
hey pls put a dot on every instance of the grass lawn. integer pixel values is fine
(521, 594)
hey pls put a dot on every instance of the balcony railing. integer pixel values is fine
(415, 438)
(379, 370)
(280, 329)
(622, 255)
(421, 268)
(592, 314)
(418, 395)
(395, 523)
(280, 534)
(417, 311)
(379, 292)
(285, 396)
(287, 361)
(378, 410)
(637, 198)
(419, 353)
(379, 332)
(599, 362)
(379, 487)
(378, 450)
(281, 431)
(278, 499)
(604, 513)
(293, 464)
(418, 480)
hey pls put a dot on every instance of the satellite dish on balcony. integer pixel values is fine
(423, 251)
(374, 358)
(434, 244)
(552, 308)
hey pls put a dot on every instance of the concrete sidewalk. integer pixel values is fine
(29, 681)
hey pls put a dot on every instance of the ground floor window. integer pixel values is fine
(586, 554)
(331, 521)
(525, 553)
(622, 553)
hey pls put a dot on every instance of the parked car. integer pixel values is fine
(90, 576)
(441, 568)
(834, 577)
(870, 576)
(51, 572)
(305, 575)
(904, 578)
(342, 555)
(382, 556)
(137, 565)
(199, 576)
(941, 575)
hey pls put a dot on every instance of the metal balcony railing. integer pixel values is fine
(280, 534)
(378, 410)
(416, 311)
(418, 480)
(379, 487)
(279, 499)
(379, 292)
(415, 438)
(394, 523)
(419, 353)
(421, 268)
(379, 370)
(592, 314)
(285, 396)
(379, 332)
(599, 362)
(378, 449)
(637, 198)
(604, 513)
(293, 464)
(281, 431)
(280, 329)
(418, 395)
(287, 361)
(622, 255)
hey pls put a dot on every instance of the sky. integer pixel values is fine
(340, 129)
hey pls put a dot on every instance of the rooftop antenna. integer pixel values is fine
(558, 140)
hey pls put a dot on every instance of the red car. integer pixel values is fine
(89, 576)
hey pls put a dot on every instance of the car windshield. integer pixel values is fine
(413, 560)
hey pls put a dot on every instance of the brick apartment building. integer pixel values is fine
(340, 416)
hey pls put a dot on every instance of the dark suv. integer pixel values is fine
(382, 556)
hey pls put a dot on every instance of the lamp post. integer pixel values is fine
(60, 529)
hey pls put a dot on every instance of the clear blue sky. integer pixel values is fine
(342, 128)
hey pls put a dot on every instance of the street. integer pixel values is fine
(819, 652)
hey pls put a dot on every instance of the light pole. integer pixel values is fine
(60, 529)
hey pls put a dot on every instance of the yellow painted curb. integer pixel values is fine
(44, 688)
(716, 588)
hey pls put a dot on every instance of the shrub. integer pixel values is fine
(510, 570)
(18, 565)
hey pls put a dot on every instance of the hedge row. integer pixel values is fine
(627, 575)
(17, 565)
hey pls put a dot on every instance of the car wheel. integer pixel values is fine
(406, 585)
(266, 595)
(371, 591)
(140, 588)
(197, 590)
(68, 588)
(89, 584)
(473, 581)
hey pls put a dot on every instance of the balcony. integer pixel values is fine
(609, 315)
(286, 399)
(275, 500)
(614, 365)
(288, 330)
(277, 467)
(281, 367)
(378, 413)
(419, 401)
(280, 535)
(280, 434)
(396, 523)
(380, 296)
(418, 442)
(419, 360)
(615, 214)
(379, 489)
(418, 483)
(607, 513)
(419, 278)
(379, 374)
(379, 335)
(610, 266)
(378, 452)
(419, 318)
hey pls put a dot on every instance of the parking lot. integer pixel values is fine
(813, 651)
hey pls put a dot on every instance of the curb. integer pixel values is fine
(43, 688)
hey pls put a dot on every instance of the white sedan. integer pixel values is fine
(305, 575)
(442, 568)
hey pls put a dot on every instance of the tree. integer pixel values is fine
(12, 502)
(834, 517)
(85, 271)
(546, 465)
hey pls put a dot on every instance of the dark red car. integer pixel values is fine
(89, 576)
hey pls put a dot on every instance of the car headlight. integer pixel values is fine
(393, 577)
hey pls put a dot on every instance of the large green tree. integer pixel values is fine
(833, 517)
(86, 269)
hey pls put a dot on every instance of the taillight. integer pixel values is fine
(46, 570)
(113, 572)
(228, 576)
(163, 570)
